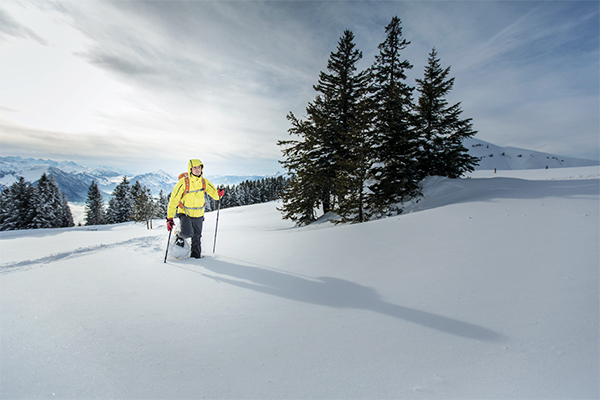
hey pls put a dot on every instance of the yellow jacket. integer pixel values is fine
(193, 201)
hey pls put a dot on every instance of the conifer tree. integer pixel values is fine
(317, 163)
(440, 127)
(356, 168)
(94, 206)
(6, 208)
(143, 205)
(67, 215)
(303, 194)
(19, 206)
(48, 204)
(396, 143)
(161, 205)
(120, 205)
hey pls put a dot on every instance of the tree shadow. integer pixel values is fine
(336, 293)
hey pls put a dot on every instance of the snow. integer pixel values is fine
(485, 288)
(513, 158)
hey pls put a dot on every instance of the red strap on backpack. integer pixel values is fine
(187, 187)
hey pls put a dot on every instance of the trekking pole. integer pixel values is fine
(168, 242)
(217, 226)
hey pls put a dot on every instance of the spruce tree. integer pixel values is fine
(440, 127)
(19, 206)
(6, 208)
(67, 215)
(161, 205)
(48, 204)
(317, 163)
(143, 205)
(396, 143)
(356, 167)
(121, 204)
(94, 206)
(303, 194)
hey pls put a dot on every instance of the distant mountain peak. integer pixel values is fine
(74, 179)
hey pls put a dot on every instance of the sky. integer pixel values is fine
(147, 85)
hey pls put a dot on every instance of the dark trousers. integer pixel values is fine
(192, 228)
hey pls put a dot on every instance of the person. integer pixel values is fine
(188, 204)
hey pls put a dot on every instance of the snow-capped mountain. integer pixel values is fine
(74, 179)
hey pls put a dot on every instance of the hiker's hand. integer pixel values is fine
(221, 192)
(170, 224)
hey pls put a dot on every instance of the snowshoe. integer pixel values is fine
(179, 248)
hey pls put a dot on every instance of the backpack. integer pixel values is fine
(187, 187)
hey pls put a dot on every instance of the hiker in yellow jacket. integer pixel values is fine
(188, 202)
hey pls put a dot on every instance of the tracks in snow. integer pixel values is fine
(139, 242)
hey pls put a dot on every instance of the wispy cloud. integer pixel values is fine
(168, 80)
(11, 28)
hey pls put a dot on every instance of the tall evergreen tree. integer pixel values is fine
(440, 127)
(143, 205)
(303, 195)
(356, 167)
(316, 162)
(161, 205)
(48, 204)
(67, 215)
(396, 143)
(120, 205)
(94, 206)
(19, 206)
(6, 208)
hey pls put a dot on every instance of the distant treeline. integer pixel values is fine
(250, 192)
(27, 206)
(135, 202)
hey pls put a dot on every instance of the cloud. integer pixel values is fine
(9, 27)
(215, 79)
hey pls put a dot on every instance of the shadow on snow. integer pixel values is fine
(333, 292)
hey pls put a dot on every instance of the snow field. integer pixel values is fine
(486, 288)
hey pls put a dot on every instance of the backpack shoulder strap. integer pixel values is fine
(187, 186)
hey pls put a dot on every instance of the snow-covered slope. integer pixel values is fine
(508, 158)
(486, 288)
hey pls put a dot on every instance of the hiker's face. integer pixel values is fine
(197, 170)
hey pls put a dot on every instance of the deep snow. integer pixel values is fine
(486, 288)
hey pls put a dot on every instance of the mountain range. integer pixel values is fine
(74, 180)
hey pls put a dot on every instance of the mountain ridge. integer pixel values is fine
(75, 179)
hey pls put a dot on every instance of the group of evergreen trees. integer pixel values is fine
(27, 206)
(366, 144)
(127, 203)
(135, 202)
(250, 192)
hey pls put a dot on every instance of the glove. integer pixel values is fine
(221, 192)
(170, 224)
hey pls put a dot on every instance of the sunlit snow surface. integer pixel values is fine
(485, 288)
